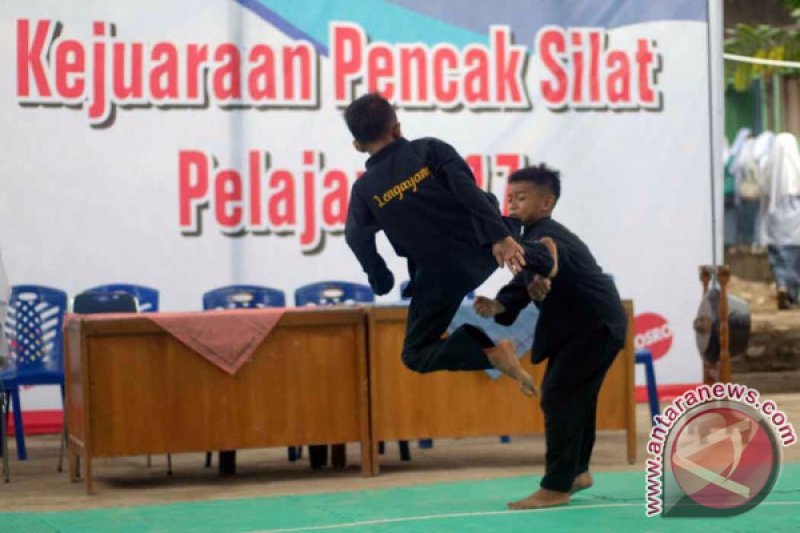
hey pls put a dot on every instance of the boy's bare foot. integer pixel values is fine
(504, 359)
(541, 499)
(582, 482)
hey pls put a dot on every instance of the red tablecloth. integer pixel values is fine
(226, 338)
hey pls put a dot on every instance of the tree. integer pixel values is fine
(766, 42)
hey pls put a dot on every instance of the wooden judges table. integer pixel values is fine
(406, 405)
(132, 388)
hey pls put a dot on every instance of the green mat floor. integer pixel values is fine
(614, 504)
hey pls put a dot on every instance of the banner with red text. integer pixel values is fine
(191, 144)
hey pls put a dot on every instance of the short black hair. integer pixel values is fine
(540, 175)
(369, 117)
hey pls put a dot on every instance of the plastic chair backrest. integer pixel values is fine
(146, 297)
(34, 327)
(105, 302)
(243, 297)
(332, 293)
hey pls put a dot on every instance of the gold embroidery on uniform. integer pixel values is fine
(398, 191)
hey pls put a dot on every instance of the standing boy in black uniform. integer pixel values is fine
(423, 196)
(581, 328)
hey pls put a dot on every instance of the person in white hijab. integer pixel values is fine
(781, 221)
(750, 158)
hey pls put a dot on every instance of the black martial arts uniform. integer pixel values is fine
(581, 328)
(423, 196)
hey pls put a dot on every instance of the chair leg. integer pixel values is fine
(4, 422)
(227, 462)
(405, 453)
(208, 459)
(149, 461)
(652, 390)
(62, 448)
(169, 464)
(318, 455)
(72, 461)
(4, 433)
(19, 430)
(339, 455)
(381, 447)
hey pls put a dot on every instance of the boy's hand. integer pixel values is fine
(550, 244)
(508, 252)
(381, 281)
(538, 288)
(486, 307)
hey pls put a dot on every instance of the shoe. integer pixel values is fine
(783, 298)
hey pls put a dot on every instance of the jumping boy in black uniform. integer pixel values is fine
(581, 328)
(422, 194)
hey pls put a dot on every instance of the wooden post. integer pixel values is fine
(709, 370)
(724, 276)
(629, 351)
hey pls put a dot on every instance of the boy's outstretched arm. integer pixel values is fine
(359, 232)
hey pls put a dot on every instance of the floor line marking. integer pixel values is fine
(466, 515)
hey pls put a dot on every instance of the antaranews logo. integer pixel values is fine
(715, 451)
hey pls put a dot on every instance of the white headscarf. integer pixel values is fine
(782, 223)
(741, 136)
(762, 148)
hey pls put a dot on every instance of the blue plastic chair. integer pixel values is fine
(402, 288)
(34, 327)
(645, 357)
(3, 431)
(333, 293)
(243, 297)
(146, 297)
(104, 302)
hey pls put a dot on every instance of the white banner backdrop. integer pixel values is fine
(190, 144)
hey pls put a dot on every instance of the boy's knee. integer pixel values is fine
(412, 361)
(552, 401)
(546, 402)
